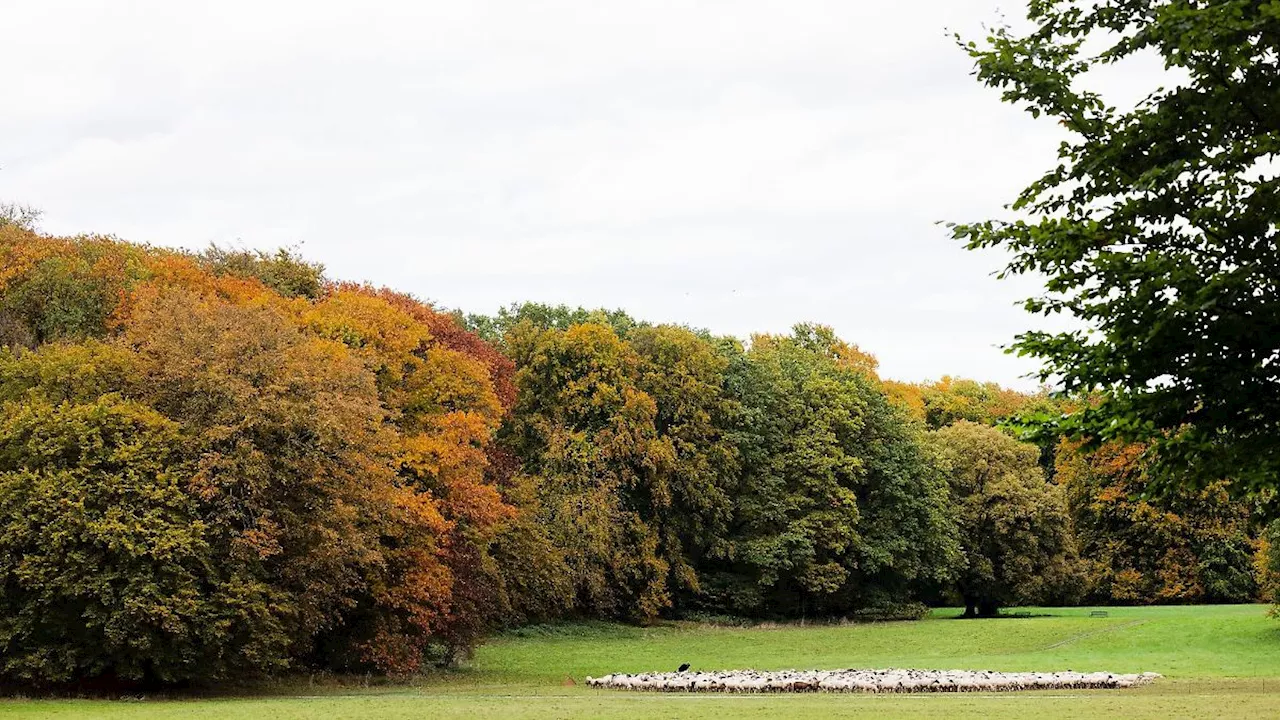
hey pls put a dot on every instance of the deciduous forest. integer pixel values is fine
(225, 463)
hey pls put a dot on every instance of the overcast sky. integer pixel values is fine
(738, 165)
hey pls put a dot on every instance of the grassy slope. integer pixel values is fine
(1219, 662)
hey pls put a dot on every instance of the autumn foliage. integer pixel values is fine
(222, 464)
(1192, 546)
(264, 478)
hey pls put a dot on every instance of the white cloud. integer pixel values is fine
(737, 165)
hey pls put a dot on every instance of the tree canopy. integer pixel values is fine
(1156, 228)
(1188, 545)
(222, 464)
(1015, 535)
(837, 507)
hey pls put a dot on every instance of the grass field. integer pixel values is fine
(1219, 662)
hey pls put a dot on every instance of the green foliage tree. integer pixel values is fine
(587, 432)
(284, 271)
(1015, 534)
(535, 581)
(1157, 227)
(66, 373)
(836, 506)
(950, 400)
(690, 505)
(106, 565)
(496, 328)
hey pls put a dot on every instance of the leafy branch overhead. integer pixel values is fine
(1157, 227)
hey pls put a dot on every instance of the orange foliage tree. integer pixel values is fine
(1187, 546)
(445, 410)
(331, 442)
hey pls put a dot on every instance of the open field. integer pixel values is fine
(1218, 661)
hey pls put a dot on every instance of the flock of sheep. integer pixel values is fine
(872, 681)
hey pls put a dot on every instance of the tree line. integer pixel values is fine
(223, 463)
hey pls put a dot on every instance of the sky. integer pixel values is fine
(734, 165)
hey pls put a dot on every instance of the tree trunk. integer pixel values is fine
(970, 607)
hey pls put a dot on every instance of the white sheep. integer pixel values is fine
(854, 680)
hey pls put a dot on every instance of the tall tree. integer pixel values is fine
(444, 410)
(1157, 227)
(586, 432)
(836, 507)
(1014, 530)
(950, 400)
(684, 374)
(290, 452)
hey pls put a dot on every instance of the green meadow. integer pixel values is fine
(1218, 661)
